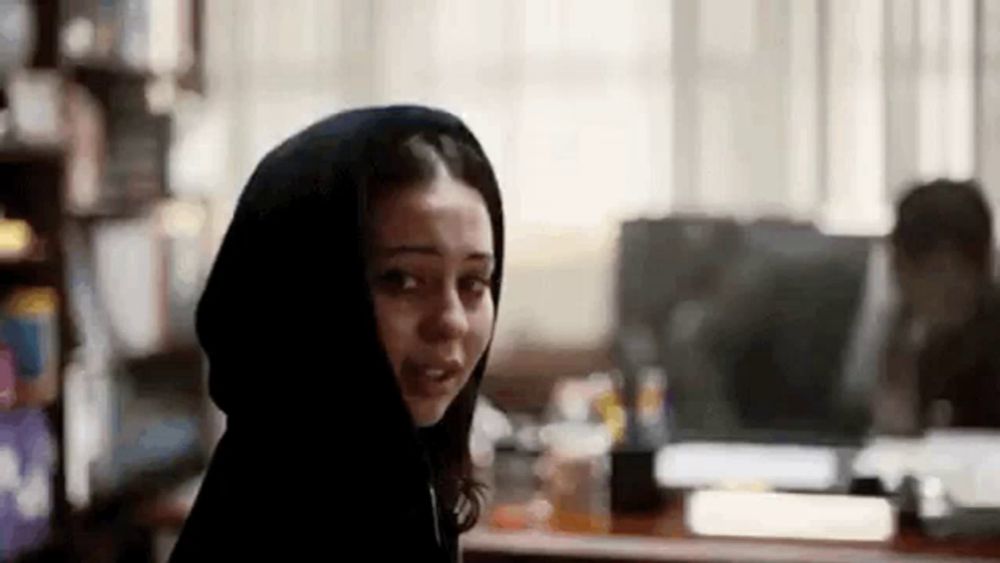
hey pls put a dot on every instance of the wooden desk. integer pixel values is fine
(661, 537)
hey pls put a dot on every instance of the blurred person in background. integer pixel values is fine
(941, 366)
(347, 321)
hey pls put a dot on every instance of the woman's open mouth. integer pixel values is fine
(430, 380)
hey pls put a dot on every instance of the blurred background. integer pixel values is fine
(697, 193)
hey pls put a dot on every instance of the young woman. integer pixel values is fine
(347, 321)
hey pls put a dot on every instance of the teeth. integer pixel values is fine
(435, 373)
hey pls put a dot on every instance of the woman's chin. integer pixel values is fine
(426, 413)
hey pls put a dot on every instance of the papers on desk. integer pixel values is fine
(889, 460)
(789, 516)
(752, 514)
(965, 464)
(700, 465)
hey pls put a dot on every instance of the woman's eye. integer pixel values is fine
(476, 285)
(398, 280)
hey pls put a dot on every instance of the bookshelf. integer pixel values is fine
(124, 147)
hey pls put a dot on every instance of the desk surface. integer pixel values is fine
(661, 536)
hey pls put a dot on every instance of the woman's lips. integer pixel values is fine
(430, 380)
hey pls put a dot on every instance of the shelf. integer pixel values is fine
(41, 393)
(26, 271)
(113, 212)
(110, 68)
(166, 361)
(31, 261)
(35, 262)
(23, 153)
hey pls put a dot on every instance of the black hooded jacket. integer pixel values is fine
(320, 458)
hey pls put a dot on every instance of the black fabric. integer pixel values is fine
(961, 368)
(320, 456)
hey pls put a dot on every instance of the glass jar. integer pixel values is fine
(575, 471)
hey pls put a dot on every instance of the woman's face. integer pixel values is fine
(431, 267)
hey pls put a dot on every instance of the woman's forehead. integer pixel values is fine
(444, 214)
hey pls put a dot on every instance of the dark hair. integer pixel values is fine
(944, 212)
(405, 161)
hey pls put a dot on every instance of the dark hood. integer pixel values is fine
(315, 420)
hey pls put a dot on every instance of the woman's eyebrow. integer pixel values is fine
(410, 249)
(393, 251)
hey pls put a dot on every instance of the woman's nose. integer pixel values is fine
(447, 320)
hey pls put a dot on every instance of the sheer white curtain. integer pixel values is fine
(596, 111)
(571, 99)
(821, 110)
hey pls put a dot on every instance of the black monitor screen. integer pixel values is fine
(751, 323)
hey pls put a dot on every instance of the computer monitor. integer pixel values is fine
(750, 322)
